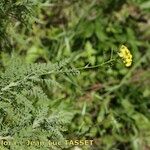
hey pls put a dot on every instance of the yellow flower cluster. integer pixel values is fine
(125, 54)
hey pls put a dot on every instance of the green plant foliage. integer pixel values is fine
(12, 11)
(109, 102)
(26, 111)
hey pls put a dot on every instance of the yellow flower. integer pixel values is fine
(125, 54)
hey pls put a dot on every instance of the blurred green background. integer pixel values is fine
(111, 103)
